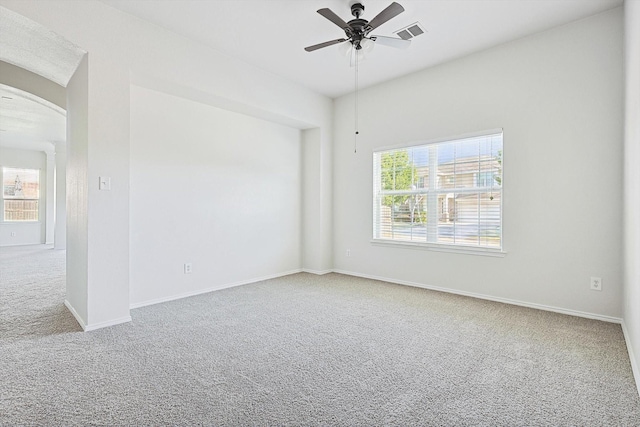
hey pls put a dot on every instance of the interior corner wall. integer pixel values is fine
(316, 212)
(213, 188)
(77, 193)
(558, 97)
(632, 183)
(25, 233)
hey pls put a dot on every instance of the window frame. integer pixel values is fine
(38, 200)
(436, 246)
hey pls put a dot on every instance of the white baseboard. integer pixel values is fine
(317, 272)
(634, 364)
(13, 245)
(576, 313)
(210, 289)
(94, 326)
(75, 314)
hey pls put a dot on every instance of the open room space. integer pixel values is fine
(326, 212)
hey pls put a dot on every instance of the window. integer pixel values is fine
(440, 194)
(20, 194)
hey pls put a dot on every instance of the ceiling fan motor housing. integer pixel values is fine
(357, 31)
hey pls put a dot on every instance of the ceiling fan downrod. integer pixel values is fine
(357, 9)
(357, 29)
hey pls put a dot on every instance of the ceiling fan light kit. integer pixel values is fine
(356, 55)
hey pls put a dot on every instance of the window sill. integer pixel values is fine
(468, 250)
(20, 222)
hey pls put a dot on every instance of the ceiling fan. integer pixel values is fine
(357, 30)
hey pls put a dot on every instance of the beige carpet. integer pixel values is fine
(304, 350)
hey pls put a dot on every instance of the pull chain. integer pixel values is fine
(355, 136)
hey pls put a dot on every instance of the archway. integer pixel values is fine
(36, 67)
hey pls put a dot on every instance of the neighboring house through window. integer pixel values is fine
(440, 194)
(20, 194)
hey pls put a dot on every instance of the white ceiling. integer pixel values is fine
(31, 46)
(271, 34)
(28, 122)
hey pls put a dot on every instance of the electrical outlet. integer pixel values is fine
(13, 234)
(188, 268)
(348, 252)
(596, 283)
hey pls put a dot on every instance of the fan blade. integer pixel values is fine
(328, 13)
(391, 41)
(325, 44)
(393, 10)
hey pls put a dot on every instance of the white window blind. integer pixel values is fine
(446, 193)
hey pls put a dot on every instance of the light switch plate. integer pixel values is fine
(105, 183)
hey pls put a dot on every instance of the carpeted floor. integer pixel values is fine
(304, 350)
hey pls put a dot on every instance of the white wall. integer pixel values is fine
(77, 292)
(316, 195)
(214, 188)
(26, 233)
(558, 96)
(632, 184)
(60, 231)
(121, 48)
(50, 196)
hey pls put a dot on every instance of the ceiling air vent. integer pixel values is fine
(410, 31)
